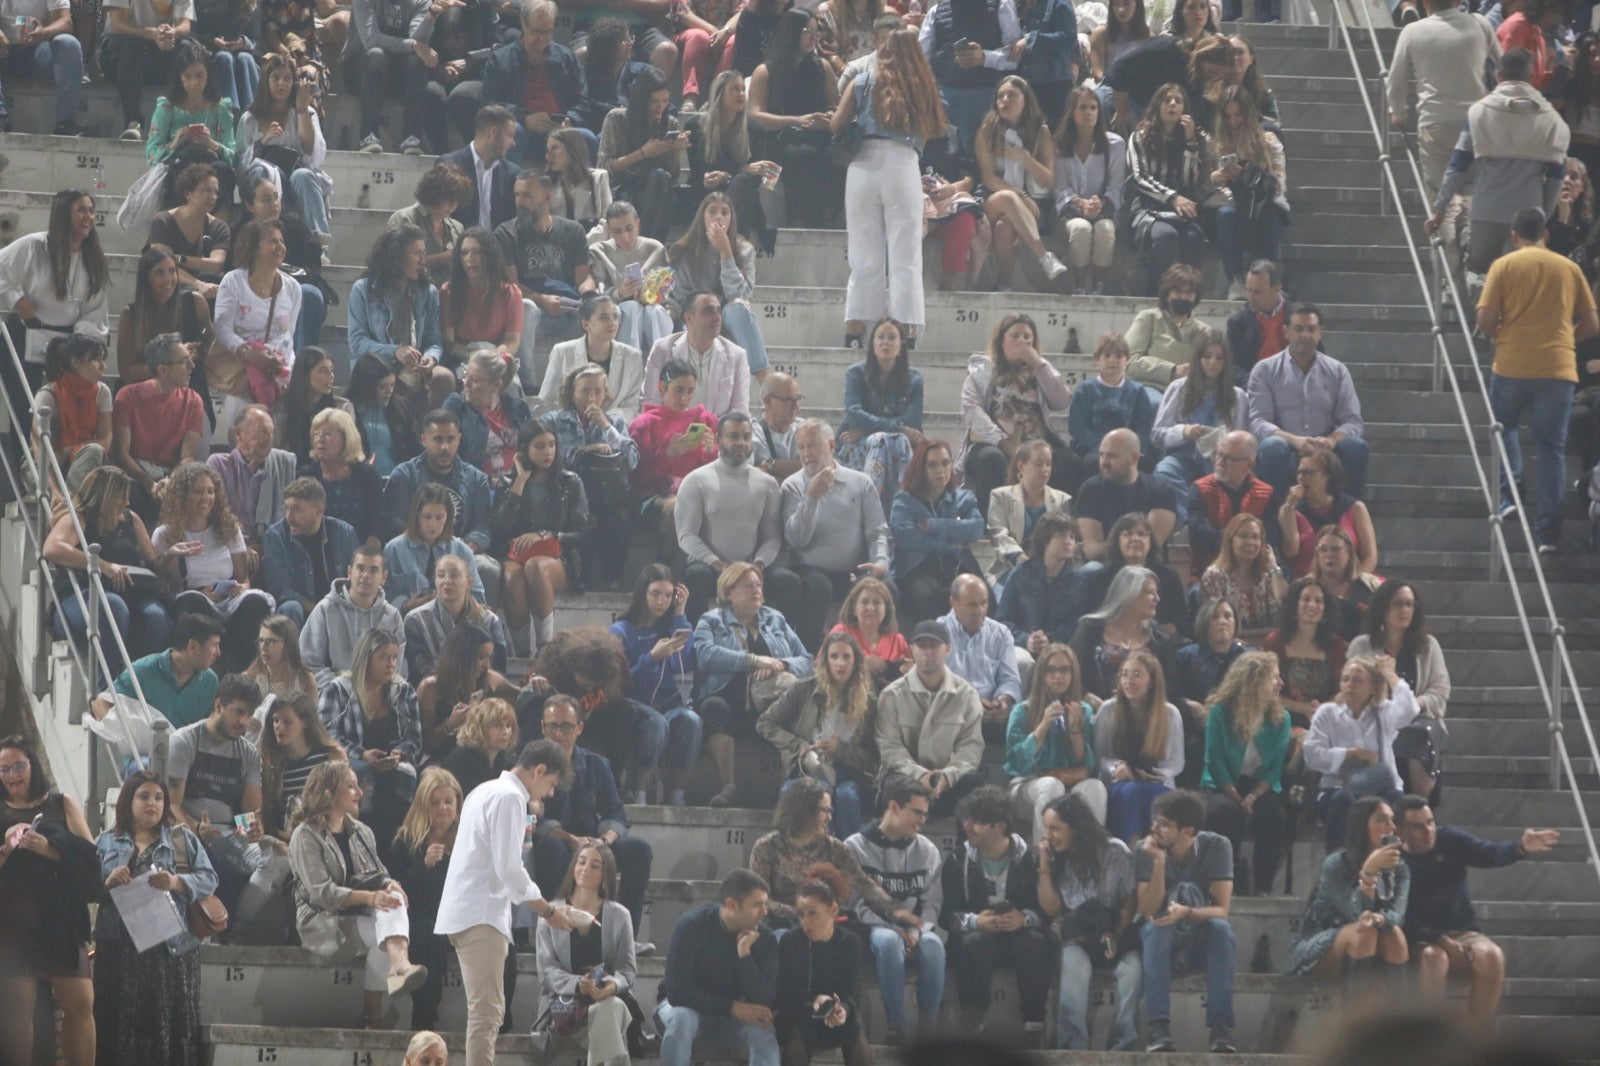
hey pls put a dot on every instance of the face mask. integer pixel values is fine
(1181, 308)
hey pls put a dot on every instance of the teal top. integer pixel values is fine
(183, 704)
(1225, 751)
(1025, 757)
(169, 118)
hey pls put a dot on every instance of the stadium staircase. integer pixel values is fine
(1345, 250)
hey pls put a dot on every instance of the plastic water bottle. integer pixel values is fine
(99, 179)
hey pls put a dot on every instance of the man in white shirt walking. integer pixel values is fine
(486, 878)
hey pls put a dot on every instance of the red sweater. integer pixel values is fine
(659, 473)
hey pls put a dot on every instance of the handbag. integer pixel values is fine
(605, 479)
(843, 146)
(286, 159)
(207, 917)
(143, 202)
(569, 1014)
(549, 548)
(226, 372)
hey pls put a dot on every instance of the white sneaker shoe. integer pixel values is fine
(370, 144)
(411, 146)
(133, 132)
(1235, 290)
(1052, 267)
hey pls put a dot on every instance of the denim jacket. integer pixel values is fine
(411, 562)
(1051, 29)
(573, 433)
(722, 655)
(953, 521)
(875, 410)
(505, 75)
(368, 323)
(286, 569)
(475, 427)
(116, 849)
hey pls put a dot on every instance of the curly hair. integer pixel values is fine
(444, 183)
(1242, 694)
(905, 97)
(247, 241)
(798, 808)
(485, 715)
(387, 260)
(175, 503)
(418, 820)
(591, 651)
(823, 882)
(1289, 613)
(190, 178)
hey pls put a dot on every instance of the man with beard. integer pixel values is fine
(548, 258)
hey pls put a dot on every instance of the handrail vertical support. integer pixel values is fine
(92, 558)
(94, 810)
(1494, 513)
(1557, 636)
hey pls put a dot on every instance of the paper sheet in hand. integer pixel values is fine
(150, 915)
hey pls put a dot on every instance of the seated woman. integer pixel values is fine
(670, 447)
(934, 525)
(485, 744)
(823, 729)
(1169, 162)
(1246, 746)
(1162, 339)
(712, 256)
(353, 486)
(410, 557)
(1091, 170)
(1130, 544)
(329, 888)
(140, 994)
(280, 135)
(1125, 625)
(310, 392)
(640, 146)
(1256, 182)
(478, 308)
(882, 410)
(1197, 669)
(868, 615)
(1017, 164)
(258, 311)
(420, 858)
(193, 123)
(264, 203)
(792, 95)
(382, 419)
(463, 676)
(1050, 742)
(394, 314)
(1246, 574)
(818, 998)
(1356, 920)
(540, 518)
(161, 305)
(1311, 656)
(1138, 740)
(197, 238)
(1372, 689)
(371, 712)
(440, 193)
(1349, 593)
(622, 363)
(200, 551)
(1044, 596)
(79, 406)
(720, 159)
(1397, 627)
(740, 643)
(618, 264)
(1318, 499)
(1202, 402)
(453, 603)
(594, 443)
(582, 192)
(801, 837)
(278, 670)
(658, 646)
(491, 416)
(1246, 74)
(293, 742)
(1008, 397)
(568, 961)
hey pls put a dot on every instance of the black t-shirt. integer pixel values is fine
(552, 255)
(1105, 501)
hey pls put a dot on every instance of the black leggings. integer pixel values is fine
(988, 467)
(649, 189)
(1264, 825)
(1166, 244)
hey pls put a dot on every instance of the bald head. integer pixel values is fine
(780, 401)
(1235, 458)
(1119, 456)
(969, 601)
(253, 431)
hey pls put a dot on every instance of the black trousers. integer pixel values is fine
(1265, 825)
(375, 75)
(781, 587)
(975, 955)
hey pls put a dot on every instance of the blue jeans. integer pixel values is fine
(1207, 944)
(294, 611)
(1128, 810)
(1333, 807)
(1276, 461)
(643, 324)
(150, 635)
(1546, 402)
(1181, 468)
(967, 109)
(1236, 234)
(671, 739)
(62, 57)
(847, 805)
(889, 952)
(236, 75)
(308, 331)
(385, 797)
(680, 1027)
(537, 325)
(1072, 1001)
(739, 322)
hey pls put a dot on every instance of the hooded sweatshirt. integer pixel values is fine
(1520, 145)
(968, 889)
(908, 870)
(328, 641)
(659, 473)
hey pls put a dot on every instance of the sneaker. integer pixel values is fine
(1549, 547)
(855, 340)
(411, 146)
(1222, 1043)
(68, 129)
(1508, 512)
(1052, 267)
(726, 797)
(133, 132)
(1235, 290)
(1160, 1040)
(370, 144)
(641, 948)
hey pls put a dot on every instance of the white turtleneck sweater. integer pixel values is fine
(731, 513)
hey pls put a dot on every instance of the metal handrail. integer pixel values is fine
(1561, 673)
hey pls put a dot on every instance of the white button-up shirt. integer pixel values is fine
(485, 180)
(1334, 731)
(486, 877)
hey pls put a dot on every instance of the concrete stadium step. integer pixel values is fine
(1339, 117)
(1572, 565)
(1502, 771)
(1348, 286)
(1537, 917)
(1481, 596)
(1340, 227)
(1277, 61)
(1528, 807)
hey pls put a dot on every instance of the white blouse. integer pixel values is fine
(25, 272)
(242, 315)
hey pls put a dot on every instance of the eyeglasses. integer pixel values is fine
(1232, 458)
(15, 769)
(787, 401)
(1062, 670)
(269, 642)
(560, 727)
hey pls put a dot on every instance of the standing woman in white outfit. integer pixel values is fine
(899, 110)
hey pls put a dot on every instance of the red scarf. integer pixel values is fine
(77, 414)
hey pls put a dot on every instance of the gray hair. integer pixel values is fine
(1125, 588)
(815, 425)
(158, 350)
(487, 361)
(248, 412)
(530, 8)
(769, 387)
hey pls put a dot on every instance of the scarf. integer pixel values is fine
(77, 410)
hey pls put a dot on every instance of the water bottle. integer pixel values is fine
(685, 680)
(99, 179)
(1058, 725)
(1073, 347)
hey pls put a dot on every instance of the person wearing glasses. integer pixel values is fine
(776, 451)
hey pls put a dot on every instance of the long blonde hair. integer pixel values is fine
(1251, 142)
(1227, 563)
(316, 802)
(854, 697)
(1039, 695)
(414, 829)
(1142, 728)
(731, 141)
(1239, 694)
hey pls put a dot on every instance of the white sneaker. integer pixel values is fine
(133, 132)
(1052, 267)
(1235, 290)
(370, 144)
(411, 146)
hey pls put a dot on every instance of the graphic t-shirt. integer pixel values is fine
(215, 772)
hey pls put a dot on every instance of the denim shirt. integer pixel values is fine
(411, 562)
(871, 409)
(572, 433)
(368, 323)
(1051, 29)
(117, 849)
(722, 655)
(954, 521)
(868, 121)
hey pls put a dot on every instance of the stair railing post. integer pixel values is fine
(1495, 520)
(1557, 633)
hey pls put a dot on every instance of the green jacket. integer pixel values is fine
(1225, 751)
(1025, 757)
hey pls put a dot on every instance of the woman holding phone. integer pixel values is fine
(594, 960)
(819, 976)
(658, 646)
(464, 675)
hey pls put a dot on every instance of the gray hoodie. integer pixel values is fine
(907, 869)
(328, 641)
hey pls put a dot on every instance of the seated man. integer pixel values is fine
(387, 55)
(896, 855)
(1185, 887)
(254, 475)
(721, 976)
(728, 511)
(548, 258)
(970, 45)
(40, 35)
(1231, 489)
(178, 682)
(136, 49)
(642, 324)
(1301, 400)
(355, 605)
(983, 652)
(934, 713)
(586, 810)
(483, 160)
(833, 525)
(775, 431)
(303, 550)
(1121, 489)
(1440, 919)
(644, 22)
(157, 423)
(723, 385)
(991, 911)
(1261, 327)
(468, 486)
(538, 81)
